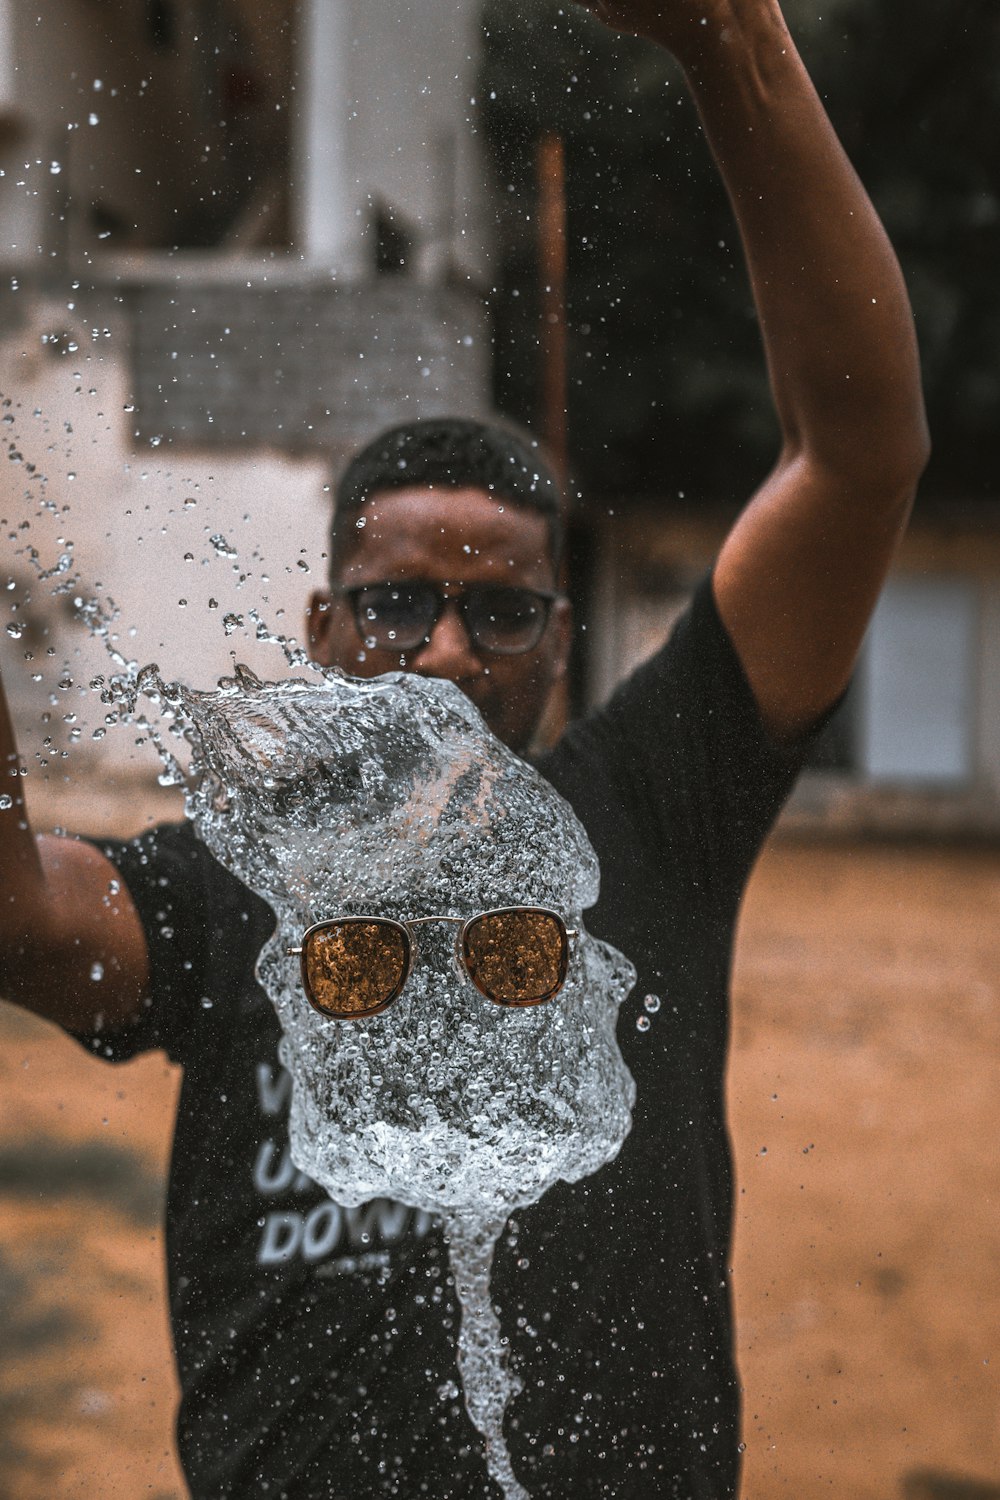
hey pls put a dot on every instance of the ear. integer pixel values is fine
(318, 619)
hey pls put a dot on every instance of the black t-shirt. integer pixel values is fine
(316, 1344)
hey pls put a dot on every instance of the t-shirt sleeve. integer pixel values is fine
(682, 746)
(180, 892)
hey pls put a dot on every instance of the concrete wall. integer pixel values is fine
(303, 363)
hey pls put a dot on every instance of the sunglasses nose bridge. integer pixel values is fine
(458, 923)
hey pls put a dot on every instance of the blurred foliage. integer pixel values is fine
(667, 385)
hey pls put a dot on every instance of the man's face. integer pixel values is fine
(454, 539)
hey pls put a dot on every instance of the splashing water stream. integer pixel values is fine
(486, 1379)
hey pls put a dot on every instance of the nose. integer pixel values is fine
(449, 652)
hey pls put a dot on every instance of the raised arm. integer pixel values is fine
(72, 948)
(799, 575)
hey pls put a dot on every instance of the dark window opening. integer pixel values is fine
(394, 241)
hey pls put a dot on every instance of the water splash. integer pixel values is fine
(124, 688)
(391, 798)
(487, 1381)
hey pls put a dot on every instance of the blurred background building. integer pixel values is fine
(239, 236)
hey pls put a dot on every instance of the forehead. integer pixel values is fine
(447, 534)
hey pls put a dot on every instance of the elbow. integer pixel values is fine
(883, 468)
(903, 467)
(917, 453)
(901, 444)
(895, 451)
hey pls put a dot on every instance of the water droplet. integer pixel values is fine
(652, 1004)
(6, 802)
(245, 677)
(97, 972)
(642, 1023)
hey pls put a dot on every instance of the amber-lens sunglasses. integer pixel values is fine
(357, 966)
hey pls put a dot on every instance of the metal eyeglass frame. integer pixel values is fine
(411, 950)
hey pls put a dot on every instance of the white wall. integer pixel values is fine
(385, 113)
(918, 683)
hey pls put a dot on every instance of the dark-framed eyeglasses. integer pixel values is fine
(357, 966)
(499, 620)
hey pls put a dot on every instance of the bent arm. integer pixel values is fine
(799, 575)
(72, 948)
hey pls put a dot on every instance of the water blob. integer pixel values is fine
(391, 798)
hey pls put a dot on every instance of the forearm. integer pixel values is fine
(71, 946)
(834, 314)
(22, 881)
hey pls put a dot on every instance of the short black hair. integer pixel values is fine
(450, 453)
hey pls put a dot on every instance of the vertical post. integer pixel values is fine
(7, 73)
(551, 169)
(328, 230)
(551, 178)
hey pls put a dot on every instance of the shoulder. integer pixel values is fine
(696, 657)
(680, 751)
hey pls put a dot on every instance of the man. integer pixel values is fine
(317, 1347)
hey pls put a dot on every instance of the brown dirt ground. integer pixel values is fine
(863, 1081)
